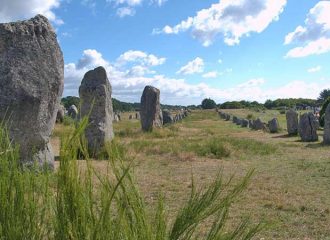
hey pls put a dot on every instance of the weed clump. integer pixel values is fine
(214, 148)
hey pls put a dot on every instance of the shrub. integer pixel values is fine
(208, 103)
(250, 116)
(282, 111)
(322, 112)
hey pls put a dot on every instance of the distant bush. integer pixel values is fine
(250, 116)
(282, 111)
(290, 103)
(70, 100)
(208, 103)
(322, 112)
(324, 95)
(241, 104)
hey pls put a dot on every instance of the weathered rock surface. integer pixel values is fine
(31, 83)
(115, 118)
(273, 125)
(251, 123)
(235, 119)
(244, 123)
(308, 126)
(150, 112)
(73, 112)
(60, 113)
(258, 124)
(167, 117)
(95, 97)
(326, 135)
(292, 122)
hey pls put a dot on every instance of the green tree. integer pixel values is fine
(322, 112)
(208, 103)
(324, 94)
(269, 104)
(70, 100)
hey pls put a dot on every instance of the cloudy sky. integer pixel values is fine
(191, 49)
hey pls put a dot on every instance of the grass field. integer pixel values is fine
(290, 189)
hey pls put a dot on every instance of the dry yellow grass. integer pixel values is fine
(290, 189)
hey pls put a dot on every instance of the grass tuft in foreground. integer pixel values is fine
(79, 202)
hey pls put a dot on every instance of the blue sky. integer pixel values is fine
(191, 49)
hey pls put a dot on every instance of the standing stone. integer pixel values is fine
(308, 125)
(60, 114)
(251, 123)
(167, 117)
(235, 119)
(258, 124)
(31, 83)
(137, 116)
(115, 118)
(150, 113)
(96, 103)
(273, 125)
(73, 112)
(292, 122)
(238, 121)
(326, 136)
(119, 116)
(244, 123)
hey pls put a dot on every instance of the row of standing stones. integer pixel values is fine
(306, 126)
(31, 85)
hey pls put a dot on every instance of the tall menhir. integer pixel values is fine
(31, 84)
(96, 104)
(150, 112)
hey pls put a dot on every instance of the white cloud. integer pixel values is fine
(125, 11)
(159, 2)
(213, 74)
(231, 18)
(128, 83)
(90, 58)
(127, 7)
(13, 10)
(314, 69)
(194, 66)
(220, 61)
(314, 36)
(316, 47)
(141, 57)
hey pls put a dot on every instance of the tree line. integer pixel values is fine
(209, 103)
(118, 106)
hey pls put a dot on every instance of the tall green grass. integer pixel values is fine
(79, 201)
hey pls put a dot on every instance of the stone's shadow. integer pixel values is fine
(57, 158)
(285, 136)
(317, 145)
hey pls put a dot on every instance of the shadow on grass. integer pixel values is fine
(317, 145)
(285, 136)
